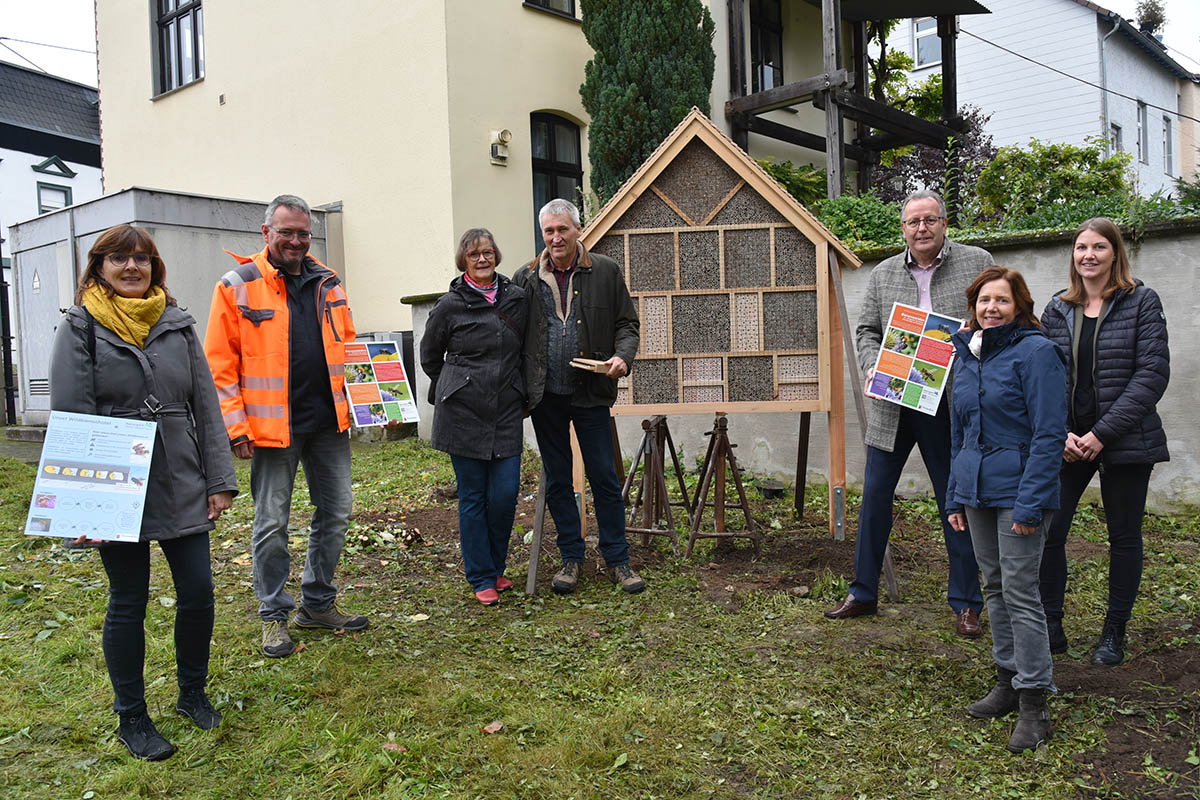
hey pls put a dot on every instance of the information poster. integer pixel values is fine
(377, 386)
(91, 479)
(914, 359)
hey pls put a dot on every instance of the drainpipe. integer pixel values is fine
(1108, 149)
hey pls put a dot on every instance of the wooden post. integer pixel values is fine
(535, 546)
(837, 411)
(948, 32)
(831, 42)
(577, 475)
(802, 462)
(739, 131)
(861, 72)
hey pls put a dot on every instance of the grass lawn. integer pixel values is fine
(721, 680)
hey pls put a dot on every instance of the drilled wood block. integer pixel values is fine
(703, 394)
(699, 260)
(795, 258)
(790, 321)
(696, 180)
(799, 391)
(751, 378)
(624, 397)
(651, 262)
(798, 367)
(747, 206)
(655, 381)
(656, 336)
(748, 258)
(649, 211)
(700, 323)
(702, 369)
(746, 322)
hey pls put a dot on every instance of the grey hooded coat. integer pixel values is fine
(191, 448)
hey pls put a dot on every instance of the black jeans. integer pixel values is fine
(128, 568)
(594, 431)
(1123, 488)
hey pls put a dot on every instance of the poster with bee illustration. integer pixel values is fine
(914, 359)
(377, 385)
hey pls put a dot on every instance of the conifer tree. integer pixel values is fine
(653, 61)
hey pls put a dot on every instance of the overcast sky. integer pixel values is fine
(71, 23)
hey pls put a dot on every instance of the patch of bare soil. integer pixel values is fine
(1155, 728)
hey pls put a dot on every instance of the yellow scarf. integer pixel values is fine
(128, 317)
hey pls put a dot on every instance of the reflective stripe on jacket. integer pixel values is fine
(247, 348)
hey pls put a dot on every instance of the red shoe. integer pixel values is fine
(488, 597)
(503, 584)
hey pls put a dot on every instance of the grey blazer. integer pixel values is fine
(891, 282)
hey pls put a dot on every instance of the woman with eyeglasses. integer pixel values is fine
(1114, 333)
(471, 351)
(125, 349)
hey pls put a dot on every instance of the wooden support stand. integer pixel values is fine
(720, 454)
(652, 495)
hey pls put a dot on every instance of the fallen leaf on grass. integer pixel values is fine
(300, 647)
(418, 617)
(493, 727)
(620, 761)
(395, 748)
(166, 602)
(594, 634)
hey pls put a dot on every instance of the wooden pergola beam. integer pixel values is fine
(786, 133)
(883, 116)
(789, 94)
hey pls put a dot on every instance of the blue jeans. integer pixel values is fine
(1010, 563)
(487, 502)
(124, 637)
(594, 431)
(932, 436)
(326, 459)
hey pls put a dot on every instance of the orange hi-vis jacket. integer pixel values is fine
(247, 348)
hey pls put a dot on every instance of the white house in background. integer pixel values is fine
(1131, 97)
(49, 145)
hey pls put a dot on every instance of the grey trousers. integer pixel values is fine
(1010, 564)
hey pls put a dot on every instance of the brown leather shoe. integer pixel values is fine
(850, 607)
(968, 624)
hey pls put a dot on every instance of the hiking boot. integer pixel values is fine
(626, 577)
(137, 732)
(1033, 724)
(330, 618)
(1056, 635)
(194, 705)
(1000, 701)
(1110, 650)
(275, 640)
(567, 578)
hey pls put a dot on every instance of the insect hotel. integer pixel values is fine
(737, 286)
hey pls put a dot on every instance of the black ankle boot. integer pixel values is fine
(1110, 650)
(194, 705)
(1056, 635)
(137, 732)
(1033, 724)
(1000, 701)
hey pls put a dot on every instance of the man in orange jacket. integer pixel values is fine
(276, 342)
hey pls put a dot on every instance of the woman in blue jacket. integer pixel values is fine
(1007, 430)
(1114, 333)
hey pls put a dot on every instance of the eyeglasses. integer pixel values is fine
(287, 233)
(121, 259)
(913, 224)
(487, 255)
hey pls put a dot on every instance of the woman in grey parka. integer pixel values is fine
(125, 349)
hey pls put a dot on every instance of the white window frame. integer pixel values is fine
(1168, 147)
(917, 36)
(1143, 131)
(1115, 139)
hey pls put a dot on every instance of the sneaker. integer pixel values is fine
(330, 618)
(275, 640)
(567, 578)
(194, 705)
(137, 732)
(503, 584)
(626, 577)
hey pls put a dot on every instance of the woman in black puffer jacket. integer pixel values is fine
(1114, 333)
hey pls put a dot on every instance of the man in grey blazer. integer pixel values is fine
(932, 273)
